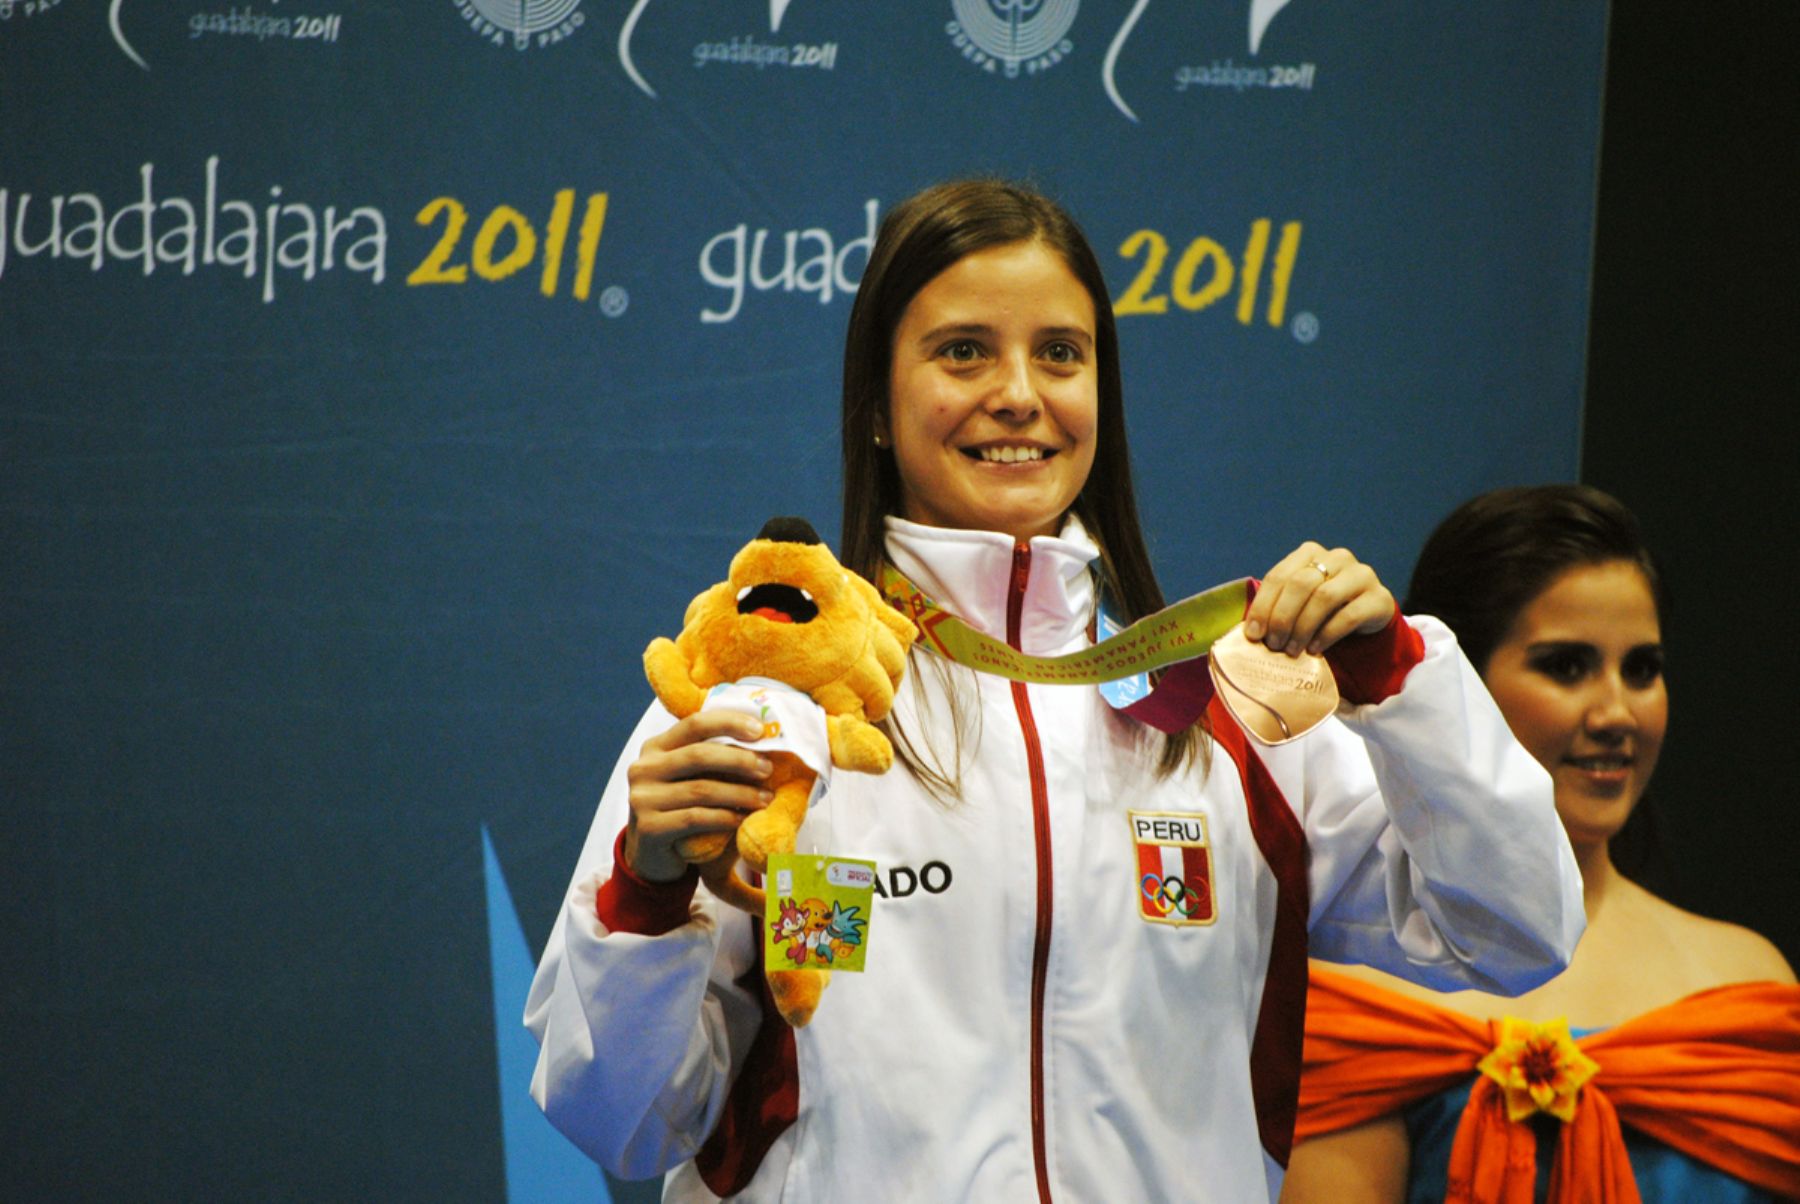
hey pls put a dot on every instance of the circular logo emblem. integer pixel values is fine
(1171, 894)
(524, 18)
(1016, 31)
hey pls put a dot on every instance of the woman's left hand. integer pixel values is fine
(1313, 598)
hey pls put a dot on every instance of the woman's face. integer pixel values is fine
(1579, 679)
(993, 397)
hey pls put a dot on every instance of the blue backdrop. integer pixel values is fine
(376, 380)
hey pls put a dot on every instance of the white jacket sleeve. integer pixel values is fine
(1436, 851)
(638, 1035)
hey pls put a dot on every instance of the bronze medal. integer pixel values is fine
(1274, 697)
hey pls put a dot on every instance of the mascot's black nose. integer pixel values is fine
(788, 529)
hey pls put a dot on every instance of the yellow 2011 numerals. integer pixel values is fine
(507, 227)
(1205, 273)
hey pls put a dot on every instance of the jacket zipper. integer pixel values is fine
(1040, 823)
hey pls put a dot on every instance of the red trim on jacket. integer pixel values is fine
(1040, 830)
(764, 1100)
(1371, 668)
(1281, 1019)
(628, 903)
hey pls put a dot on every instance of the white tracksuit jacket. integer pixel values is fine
(1031, 1024)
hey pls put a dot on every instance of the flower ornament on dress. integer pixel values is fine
(1539, 1068)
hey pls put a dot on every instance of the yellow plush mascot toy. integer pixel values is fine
(794, 638)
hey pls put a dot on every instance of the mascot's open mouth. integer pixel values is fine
(778, 603)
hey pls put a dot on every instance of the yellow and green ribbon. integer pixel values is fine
(1184, 631)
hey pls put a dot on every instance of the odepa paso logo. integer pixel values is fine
(528, 22)
(1013, 36)
(28, 8)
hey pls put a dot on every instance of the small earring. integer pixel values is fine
(880, 442)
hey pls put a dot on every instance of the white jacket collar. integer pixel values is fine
(969, 574)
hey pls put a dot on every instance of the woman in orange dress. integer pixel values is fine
(1680, 1079)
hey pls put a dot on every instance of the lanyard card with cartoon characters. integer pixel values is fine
(817, 911)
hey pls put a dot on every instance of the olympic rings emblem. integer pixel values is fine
(1171, 894)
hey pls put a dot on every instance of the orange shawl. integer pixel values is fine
(1715, 1075)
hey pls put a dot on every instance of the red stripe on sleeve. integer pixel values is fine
(1371, 668)
(628, 903)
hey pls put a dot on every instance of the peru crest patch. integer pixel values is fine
(1174, 867)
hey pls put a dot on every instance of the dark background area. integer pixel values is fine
(1692, 384)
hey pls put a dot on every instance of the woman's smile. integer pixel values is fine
(993, 397)
(1579, 678)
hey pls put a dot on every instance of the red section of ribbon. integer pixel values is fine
(1184, 690)
(1177, 700)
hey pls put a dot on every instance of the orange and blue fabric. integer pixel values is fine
(1714, 1076)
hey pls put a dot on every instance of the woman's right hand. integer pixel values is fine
(683, 783)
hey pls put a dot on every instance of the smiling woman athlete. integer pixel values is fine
(1027, 1027)
(1556, 598)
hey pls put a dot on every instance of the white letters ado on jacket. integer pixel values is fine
(1084, 982)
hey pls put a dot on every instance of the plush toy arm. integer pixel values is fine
(669, 673)
(890, 632)
(858, 745)
(901, 628)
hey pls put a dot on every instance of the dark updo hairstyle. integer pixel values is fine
(1497, 552)
(919, 238)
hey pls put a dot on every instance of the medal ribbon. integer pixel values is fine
(1175, 638)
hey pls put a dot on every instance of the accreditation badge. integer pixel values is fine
(1174, 867)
